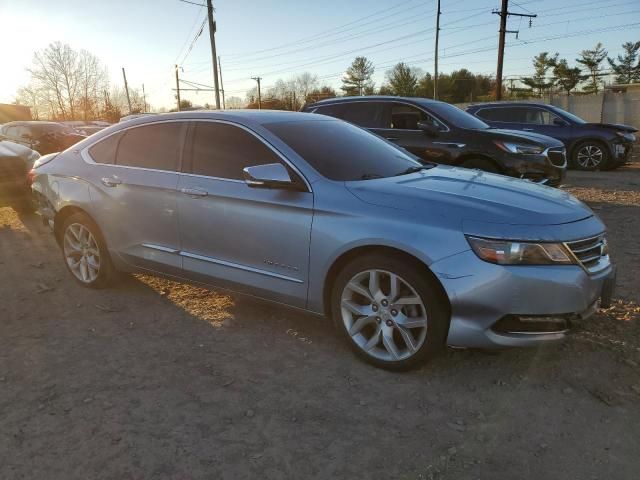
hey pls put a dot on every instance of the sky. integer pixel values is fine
(281, 38)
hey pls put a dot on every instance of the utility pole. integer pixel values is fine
(177, 88)
(221, 85)
(504, 13)
(144, 99)
(257, 79)
(435, 68)
(126, 88)
(212, 36)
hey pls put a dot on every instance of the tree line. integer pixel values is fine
(68, 84)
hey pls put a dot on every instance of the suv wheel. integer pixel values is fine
(392, 315)
(85, 252)
(590, 156)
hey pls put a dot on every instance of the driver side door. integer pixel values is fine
(248, 239)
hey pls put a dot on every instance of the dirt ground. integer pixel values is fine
(160, 380)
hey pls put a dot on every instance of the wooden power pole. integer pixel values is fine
(504, 13)
(177, 88)
(126, 89)
(212, 36)
(144, 99)
(435, 66)
(257, 79)
(221, 84)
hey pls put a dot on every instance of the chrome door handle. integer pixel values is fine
(528, 129)
(392, 138)
(194, 192)
(111, 181)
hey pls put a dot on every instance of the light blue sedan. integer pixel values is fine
(320, 215)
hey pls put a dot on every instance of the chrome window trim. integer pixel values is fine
(86, 156)
(238, 266)
(536, 107)
(160, 248)
(403, 102)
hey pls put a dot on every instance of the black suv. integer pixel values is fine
(43, 137)
(439, 132)
(590, 146)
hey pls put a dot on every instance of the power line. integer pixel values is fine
(193, 42)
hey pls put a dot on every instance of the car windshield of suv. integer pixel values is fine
(343, 152)
(570, 116)
(456, 117)
(52, 128)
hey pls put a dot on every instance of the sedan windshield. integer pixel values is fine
(341, 151)
(455, 116)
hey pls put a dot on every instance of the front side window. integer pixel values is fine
(364, 114)
(223, 151)
(155, 146)
(341, 151)
(539, 116)
(406, 117)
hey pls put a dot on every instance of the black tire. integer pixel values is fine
(425, 285)
(481, 164)
(106, 272)
(584, 156)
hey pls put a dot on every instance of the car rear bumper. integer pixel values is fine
(507, 306)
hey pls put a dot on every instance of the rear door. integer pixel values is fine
(135, 172)
(247, 239)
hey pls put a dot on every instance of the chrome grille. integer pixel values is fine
(557, 156)
(592, 253)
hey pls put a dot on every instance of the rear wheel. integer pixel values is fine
(591, 155)
(392, 315)
(481, 164)
(85, 252)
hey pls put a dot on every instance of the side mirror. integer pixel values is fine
(558, 122)
(272, 175)
(428, 128)
(26, 136)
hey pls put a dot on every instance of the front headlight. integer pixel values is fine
(519, 148)
(505, 252)
(629, 137)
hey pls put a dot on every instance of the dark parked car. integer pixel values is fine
(439, 132)
(44, 137)
(15, 163)
(590, 146)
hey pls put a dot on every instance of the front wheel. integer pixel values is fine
(85, 252)
(590, 155)
(393, 315)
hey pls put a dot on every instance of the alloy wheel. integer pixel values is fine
(590, 156)
(81, 253)
(383, 315)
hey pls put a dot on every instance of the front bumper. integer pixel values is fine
(548, 168)
(622, 152)
(483, 294)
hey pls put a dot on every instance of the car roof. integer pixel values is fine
(508, 104)
(246, 116)
(30, 122)
(421, 100)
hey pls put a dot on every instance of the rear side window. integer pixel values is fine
(154, 146)
(223, 151)
(365, 114)
(331, 110)
(499, 114)
(105, 150)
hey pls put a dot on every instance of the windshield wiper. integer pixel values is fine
(416, 168)
(370, 176)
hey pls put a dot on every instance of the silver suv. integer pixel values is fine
(318, 214)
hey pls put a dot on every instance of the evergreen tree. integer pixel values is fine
(627, 68)
(357, 76)
(566, 77)
(591, 59)
(541, 64)
(402, 80)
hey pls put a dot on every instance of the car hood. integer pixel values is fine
(519, 135)
(464, 194)
(614, 126)
(13, 150)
